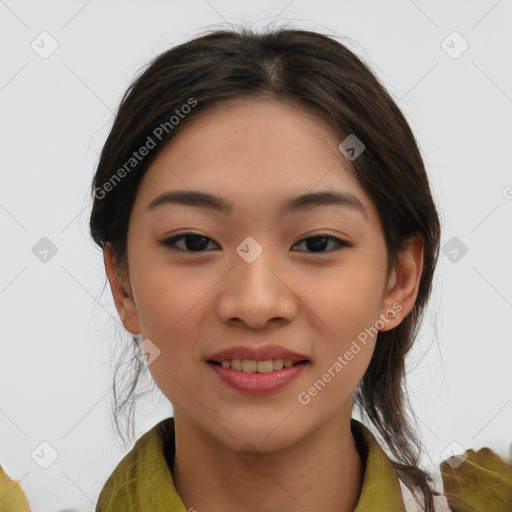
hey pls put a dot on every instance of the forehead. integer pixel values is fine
(254, 150)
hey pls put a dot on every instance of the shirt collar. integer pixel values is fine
(143, 480)
(381, 488)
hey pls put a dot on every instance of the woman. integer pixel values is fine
(269, 233)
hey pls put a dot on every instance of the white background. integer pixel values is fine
(59, 325)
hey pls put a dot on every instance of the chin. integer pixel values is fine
(267, 434)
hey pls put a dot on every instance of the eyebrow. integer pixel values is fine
(303, 202)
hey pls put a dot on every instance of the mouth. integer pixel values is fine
(253, 366)
(258, 377)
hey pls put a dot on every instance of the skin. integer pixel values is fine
(257, 153)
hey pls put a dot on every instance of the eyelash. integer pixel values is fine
(170, 242)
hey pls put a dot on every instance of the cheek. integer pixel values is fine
(170, 306)
(167, 297)
(346, 299)
(348, 305)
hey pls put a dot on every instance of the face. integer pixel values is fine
(308, 279)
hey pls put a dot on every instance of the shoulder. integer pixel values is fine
(476, 477)
(129, 474)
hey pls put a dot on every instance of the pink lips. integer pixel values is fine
(258, 383)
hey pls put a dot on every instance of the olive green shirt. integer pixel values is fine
(142, 481)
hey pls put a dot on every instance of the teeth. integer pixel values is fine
(251, 366)
(277, 364)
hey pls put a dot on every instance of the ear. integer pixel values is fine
(403, 283)
(121, 292)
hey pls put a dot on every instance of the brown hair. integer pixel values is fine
(323, 75)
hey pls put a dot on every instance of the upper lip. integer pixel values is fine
(256, 354)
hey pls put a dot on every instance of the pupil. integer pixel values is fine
(200, 242)
(317, 243)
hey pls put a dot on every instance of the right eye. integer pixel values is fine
(196, 242)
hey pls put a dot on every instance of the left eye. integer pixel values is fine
(198, 242)
(318, 242)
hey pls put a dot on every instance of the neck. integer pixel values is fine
(324, 472)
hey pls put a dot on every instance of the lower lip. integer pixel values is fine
(258, 383)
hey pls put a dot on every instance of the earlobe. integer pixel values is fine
(404, 283)
(121, 292)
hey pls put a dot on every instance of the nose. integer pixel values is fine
(258, 291)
